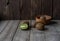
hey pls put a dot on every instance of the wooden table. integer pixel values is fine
(10, 31)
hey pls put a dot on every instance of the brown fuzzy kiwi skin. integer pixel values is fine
(40, 22)
(39, 26)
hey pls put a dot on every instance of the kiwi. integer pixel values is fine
(39, 26)
(24, 26)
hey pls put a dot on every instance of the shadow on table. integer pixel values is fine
(27, 29)
(52, 23)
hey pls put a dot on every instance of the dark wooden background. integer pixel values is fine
(28, 9)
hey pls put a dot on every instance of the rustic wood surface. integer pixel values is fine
(2, 6)
(14, 9)
(10, 31)
(3, 25)
(56, 9)
(25, 9)
(28, 9)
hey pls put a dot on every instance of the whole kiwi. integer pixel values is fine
(39, 26)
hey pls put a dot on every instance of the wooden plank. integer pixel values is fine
(54, 36)
(6, 30)
(9, 31)
(54, 27)
(47, 7)
(22, 35)
(6, 11)
(41, 7)
(12, 31)
(37, 35)
(56, 9)
(14, 9)
(2, 6)
(35, 8)
(50, 29)
(51, 34)
(25, 8)
(57, 25)
(3, 24)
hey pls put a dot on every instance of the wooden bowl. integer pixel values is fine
(45, 19)
(41, 19)
(37, 18)
(48, 17)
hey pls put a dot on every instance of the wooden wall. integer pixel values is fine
(28, 9)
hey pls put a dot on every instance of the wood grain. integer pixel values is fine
(3, 24)
(52, 36)
(47, 7)
(14, 9)
(25, 9)
(12, 32)
(37, 35)
(9, 31)
(28, 9)
(35, 8)
(56, 9)
(21, 35)
(2, 6)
